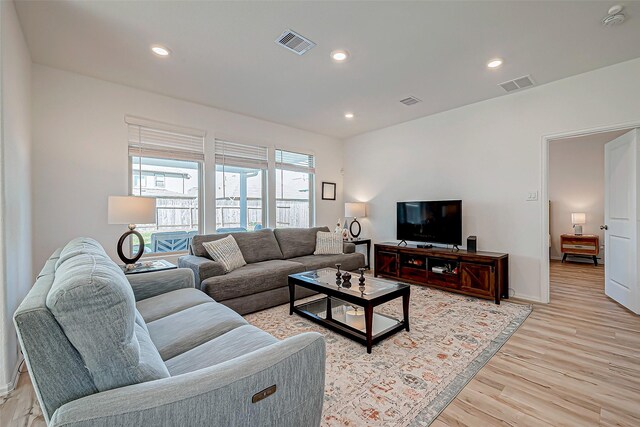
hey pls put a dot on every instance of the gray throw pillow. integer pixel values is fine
(226, 252)
(328, 243)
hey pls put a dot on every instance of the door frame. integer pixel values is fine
(544, 194)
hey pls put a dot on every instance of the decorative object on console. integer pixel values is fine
(328, 190)
(361, 279)
(131, 210)
(346, 279)
(472, 244)
(355, 210)
(578, 219)
(338, 274)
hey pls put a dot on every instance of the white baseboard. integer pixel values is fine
(526, 297)
(8, 388)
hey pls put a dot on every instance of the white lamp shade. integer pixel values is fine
(578, 218)
(132, 210)
(355, 210)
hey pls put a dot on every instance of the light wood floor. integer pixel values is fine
(574, 362)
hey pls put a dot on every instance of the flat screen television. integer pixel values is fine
(431, 222)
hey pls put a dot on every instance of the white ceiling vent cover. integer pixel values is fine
(412, 100)
(519, 83)
(295, 42)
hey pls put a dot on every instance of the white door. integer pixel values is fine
(621, 220)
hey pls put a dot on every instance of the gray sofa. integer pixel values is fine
(105, 349)
(271, 256)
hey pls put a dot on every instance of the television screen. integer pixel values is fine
(430, 222)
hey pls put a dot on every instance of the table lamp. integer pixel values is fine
(578, 219)
(355, 210)
(131, 210)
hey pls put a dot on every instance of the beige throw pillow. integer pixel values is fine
(328, 243)
(226, 252)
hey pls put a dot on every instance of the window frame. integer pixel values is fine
(201, 169)
(264, 196)
(312, 183)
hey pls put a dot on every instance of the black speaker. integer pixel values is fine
(472, 244)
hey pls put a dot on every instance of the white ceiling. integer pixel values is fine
(224, 53)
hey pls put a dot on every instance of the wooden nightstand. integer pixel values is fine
(586, 245)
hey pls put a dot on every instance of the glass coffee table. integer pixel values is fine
(348, 308)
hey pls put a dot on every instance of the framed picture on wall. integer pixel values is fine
(328, 191)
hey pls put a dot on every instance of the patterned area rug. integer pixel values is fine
(412, 376)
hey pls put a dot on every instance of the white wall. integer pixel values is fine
(15, 280)
(576, 184)
(80, 152)
(489, 155)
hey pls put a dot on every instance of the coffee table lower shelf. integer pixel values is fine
(383, 326)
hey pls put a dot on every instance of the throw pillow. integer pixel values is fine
(328, 243)
(226, 252)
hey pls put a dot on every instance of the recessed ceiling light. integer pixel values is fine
(160, 50)
(348, 115)
(494, 63)
(339, 55)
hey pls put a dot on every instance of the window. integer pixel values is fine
(241, 186)
(166, 163)
(159, 180)
(294, 189)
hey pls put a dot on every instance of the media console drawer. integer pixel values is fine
(479, 274)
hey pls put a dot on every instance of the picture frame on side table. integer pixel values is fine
(328, 190)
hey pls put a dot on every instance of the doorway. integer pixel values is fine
(590, 180)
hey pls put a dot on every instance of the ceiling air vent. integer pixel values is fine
(412, 100)
(515, 84)
(295, 42)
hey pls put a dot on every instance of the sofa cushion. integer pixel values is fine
(255, 246)
(328, 243)
(163, 305)
(92, 301)
(251, 279)
(296, 242)
(226, 252)
(235, 343)
(187, 329)
(349, 262)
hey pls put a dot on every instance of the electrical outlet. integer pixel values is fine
(532, 196)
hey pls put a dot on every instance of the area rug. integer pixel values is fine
(412, 376)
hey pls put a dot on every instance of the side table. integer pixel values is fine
(149, 266)
(584, 245)
(363, 242)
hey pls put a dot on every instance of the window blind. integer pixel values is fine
(241, 155)
(149, 139)
(299, 162)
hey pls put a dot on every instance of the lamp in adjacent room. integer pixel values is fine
(578, 219)
(131, 210)
(355, 210)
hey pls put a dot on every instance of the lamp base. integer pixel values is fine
(577, 230)
(128, 261)
(355, 234)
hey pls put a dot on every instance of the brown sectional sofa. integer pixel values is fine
(271, 256)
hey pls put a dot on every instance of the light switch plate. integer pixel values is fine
(532, 196)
